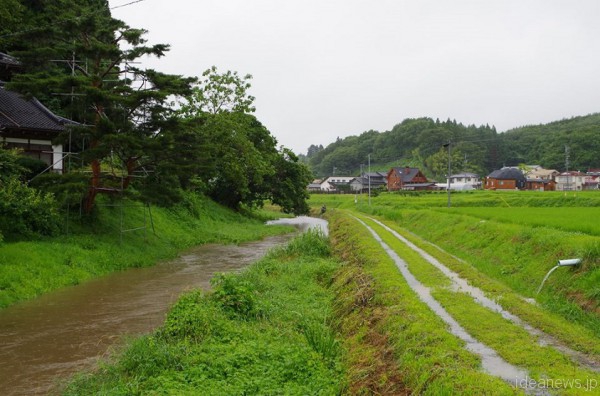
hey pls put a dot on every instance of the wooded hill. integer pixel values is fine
(422, 142)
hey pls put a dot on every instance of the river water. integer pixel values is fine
(45, 340)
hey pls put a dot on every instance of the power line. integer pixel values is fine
(126, 4)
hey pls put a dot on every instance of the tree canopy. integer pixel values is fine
(179, 132)
(239, 163)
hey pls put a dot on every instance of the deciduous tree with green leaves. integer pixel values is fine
(237, 159)
(218, 93)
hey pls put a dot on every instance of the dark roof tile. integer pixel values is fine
(16, 112)
(507, 174)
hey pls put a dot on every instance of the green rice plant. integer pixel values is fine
(575, 219)
(439, 199)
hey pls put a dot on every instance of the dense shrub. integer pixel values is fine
(236, 295)
(31, 167)
(25, 211)
(9, 166)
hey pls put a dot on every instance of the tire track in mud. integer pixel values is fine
(491, 362)
(479, 296)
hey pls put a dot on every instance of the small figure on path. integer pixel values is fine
(323, 209)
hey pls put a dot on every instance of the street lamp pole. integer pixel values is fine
(449, 171)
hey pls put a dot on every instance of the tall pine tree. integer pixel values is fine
(82, 62)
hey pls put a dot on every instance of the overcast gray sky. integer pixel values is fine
(329, 68)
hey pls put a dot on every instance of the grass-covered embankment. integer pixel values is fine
(519, 256)
(509, 339)
(30, 268)
(262, 331)
(395, 344)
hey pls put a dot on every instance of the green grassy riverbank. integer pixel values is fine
(31, 268)
(265, 331)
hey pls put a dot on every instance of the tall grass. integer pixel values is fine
(94, 248)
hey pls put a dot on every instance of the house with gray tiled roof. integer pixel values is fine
(28, 125)
(407, 178)
(507, 178)
(8, 65)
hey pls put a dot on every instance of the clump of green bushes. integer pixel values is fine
(26, 212)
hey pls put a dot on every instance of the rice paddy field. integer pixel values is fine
(505, 243)
(575, 219)
(495, 199)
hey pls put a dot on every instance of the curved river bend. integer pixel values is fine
(57, 334)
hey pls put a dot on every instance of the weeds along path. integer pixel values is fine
(491, 361)
(509, 348)
(479, 296)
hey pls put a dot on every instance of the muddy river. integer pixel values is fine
(45, 340)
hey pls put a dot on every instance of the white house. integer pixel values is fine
(541, 173)
(330, 183)
(571, 181)
(464, 181)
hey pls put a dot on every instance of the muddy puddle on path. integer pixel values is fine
(59, 333)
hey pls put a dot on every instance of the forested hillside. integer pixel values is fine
(422, 142)
(545, 144)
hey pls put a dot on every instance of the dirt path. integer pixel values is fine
(479, 296)
(501, 333)
(491, 362)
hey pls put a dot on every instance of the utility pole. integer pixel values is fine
(369, 176)
(362, 177)
(567, 166)
(449, 170)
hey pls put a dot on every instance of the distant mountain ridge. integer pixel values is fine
(423, 142)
